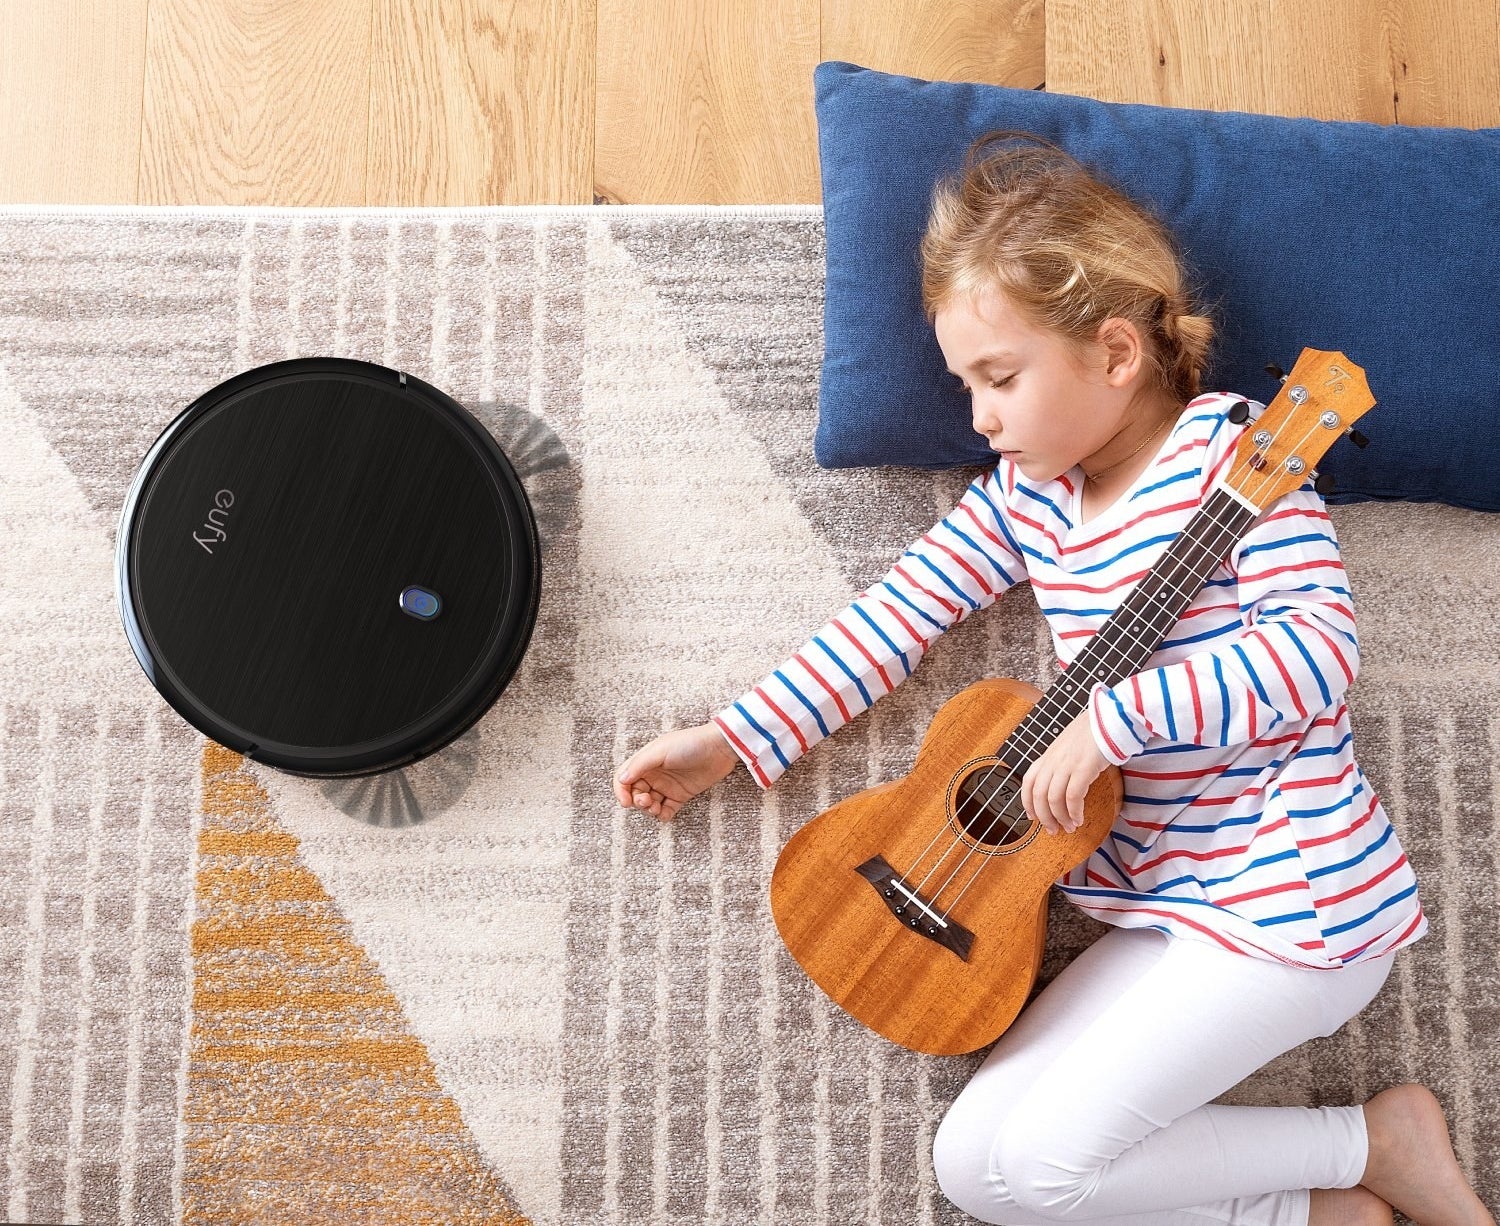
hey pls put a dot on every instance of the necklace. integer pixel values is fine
(1094, 476)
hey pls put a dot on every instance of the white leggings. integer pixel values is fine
(1091, 1107)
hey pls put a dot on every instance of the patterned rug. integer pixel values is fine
(477, 990)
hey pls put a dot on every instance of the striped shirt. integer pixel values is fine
(1246, 821)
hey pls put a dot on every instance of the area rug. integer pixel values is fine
(477, 990)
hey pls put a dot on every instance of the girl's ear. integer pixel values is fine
(1123, 350)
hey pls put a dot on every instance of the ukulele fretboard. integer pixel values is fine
(1139, 626)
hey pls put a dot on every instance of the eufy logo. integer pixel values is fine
(218, 516)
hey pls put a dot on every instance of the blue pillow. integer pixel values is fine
(1378, 241)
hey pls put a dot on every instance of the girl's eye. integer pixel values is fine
(1002, 382)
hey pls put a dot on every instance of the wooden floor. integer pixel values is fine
(462, 102)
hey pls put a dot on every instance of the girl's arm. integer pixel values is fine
(863, 652)
(1295, 657)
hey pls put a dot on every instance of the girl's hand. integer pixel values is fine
(661, 777)
(1052, 791)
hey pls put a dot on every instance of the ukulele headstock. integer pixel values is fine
(1319, 402)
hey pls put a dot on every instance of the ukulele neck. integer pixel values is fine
(1130, 637)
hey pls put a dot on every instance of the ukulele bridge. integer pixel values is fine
(914, 911)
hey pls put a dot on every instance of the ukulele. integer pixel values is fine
(920, 905)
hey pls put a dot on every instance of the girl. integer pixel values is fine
(1257, 891)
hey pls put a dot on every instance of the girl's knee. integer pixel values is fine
(960, 1161)
(1040, 1176)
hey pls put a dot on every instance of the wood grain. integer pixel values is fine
(421, 102)
(256, 102)
(70, 99)
(708, 103)
(1380, 61)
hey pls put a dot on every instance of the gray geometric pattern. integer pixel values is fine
(698, 1076)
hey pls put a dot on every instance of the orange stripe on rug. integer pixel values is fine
(309, 1098)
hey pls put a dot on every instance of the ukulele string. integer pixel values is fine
(1069, 679)
(1266, 478)
(1169, 585)
(1077, 680)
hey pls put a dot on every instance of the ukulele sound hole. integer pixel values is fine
(988, 806)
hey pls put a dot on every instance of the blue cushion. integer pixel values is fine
(1374, 240)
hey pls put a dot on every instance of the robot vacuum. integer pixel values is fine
(328, 566)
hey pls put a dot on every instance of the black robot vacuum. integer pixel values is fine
(328, 566)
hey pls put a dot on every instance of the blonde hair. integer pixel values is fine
(1068, 251)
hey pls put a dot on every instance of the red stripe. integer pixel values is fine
(969, 511)
(738, 744)
(1204, 856)
(1332, 646)
(1140, 703)
(1102, 590)
(1340, 834)
(865, 652)
(896, 613)
(782, 716)
(1270, 889)
(978, 578)
(818, 677)
(1285, 676)
(1363, 886)
(925, 591)
(1172, 915)
(1189, 504)
(1033, 523)
(1108, 740)
(1406, 932)
(1289, 784)
(1289, 568)
(1197, 704)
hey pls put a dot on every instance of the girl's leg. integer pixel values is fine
(1090, 1107)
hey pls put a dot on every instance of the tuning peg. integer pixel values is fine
(1239, 411)
(1275, 371)
(1358, 439)
(1322, 482)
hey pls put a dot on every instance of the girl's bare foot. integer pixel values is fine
(1411, 1163)
(1356, 1206)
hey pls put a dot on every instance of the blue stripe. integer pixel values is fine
(1369, 915)
(1118, 869)
(1226, 628)
(1260, 690)
(999, 521)
(1166, 704)
(802, 698)
(1223, 700)
(1101, 892)
(1306, 655)
(1287, 919)
(957, 591)
(1182, 476)
(1333, 808)
(974, 545)
(1350, 863)
(1056, 510)
(1125, 553)
(896, 592)
(1282, 542)
(1125, 718)
(770, 740)
(832, 655)
(1289, 854)
(884, 638)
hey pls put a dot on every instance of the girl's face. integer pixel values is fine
(1031, 399)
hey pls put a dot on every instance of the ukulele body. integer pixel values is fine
(954, 983)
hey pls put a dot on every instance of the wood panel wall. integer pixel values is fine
(462, 102)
